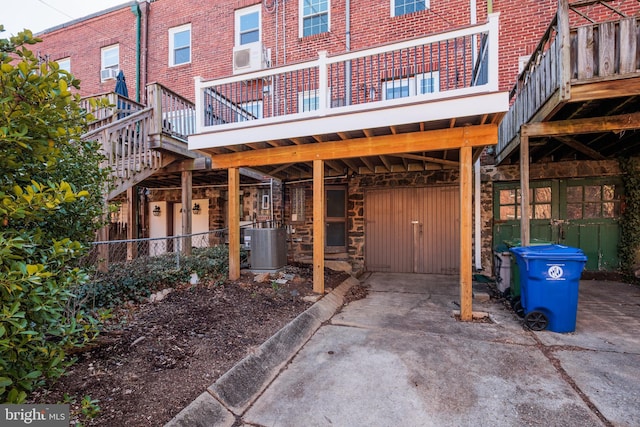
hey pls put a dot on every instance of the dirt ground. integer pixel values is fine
(157, 357)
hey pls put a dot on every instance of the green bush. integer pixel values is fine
(50, 202)
(138, 279)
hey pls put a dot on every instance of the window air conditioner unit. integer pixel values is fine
(250, 57)
(108, 74)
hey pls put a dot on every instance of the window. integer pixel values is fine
(180, 45)
(402, 7)
(310, 100)
(297, 204)
(110, 62)
(248, 25)
(250, 111)
(411, 86)
(539, 199)
(314, 17)
(64, 64)
(593, 201)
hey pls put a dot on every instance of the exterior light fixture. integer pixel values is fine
(156, 211)
(196, 209)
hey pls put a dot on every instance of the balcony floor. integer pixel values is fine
(591, 101)
(394, 125)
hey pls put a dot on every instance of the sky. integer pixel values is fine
(38, 15)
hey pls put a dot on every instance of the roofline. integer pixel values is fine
(87, 17)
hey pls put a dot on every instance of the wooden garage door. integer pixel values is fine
(413, 230)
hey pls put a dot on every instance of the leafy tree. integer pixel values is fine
(51, 188)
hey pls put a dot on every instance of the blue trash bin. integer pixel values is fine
(549, 280)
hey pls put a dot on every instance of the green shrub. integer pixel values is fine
(138, 279)
(50, 202)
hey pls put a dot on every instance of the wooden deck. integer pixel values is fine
(589, 73)
(140, 140)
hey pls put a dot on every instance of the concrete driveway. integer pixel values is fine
(399, 358)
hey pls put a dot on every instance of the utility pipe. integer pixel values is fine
(135, 8)
(477, 207)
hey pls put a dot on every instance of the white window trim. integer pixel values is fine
(246, 106)
(246, 11)
(104, 66)
(392, 6)
(172, 32)
(307, 95)
(301, 18)
(62, 61)
(414, 83)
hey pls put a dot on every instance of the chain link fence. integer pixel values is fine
(122, 251)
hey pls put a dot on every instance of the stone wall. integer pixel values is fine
(301, 241)
(218, 198)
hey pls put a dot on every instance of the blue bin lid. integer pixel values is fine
(551, 252)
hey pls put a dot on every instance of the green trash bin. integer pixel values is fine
(514, 283)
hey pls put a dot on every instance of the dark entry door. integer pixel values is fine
(336, 219)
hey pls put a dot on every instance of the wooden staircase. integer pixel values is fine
(140, 140)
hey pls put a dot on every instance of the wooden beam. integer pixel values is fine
(368, 164)
(580, 147)
(466, 243)
(525, 235)
(387, 164)
(318, 226)
(441, 139)
(187, 185)
(582, 126)
(428, 159)
(605, 89)
(201, 163)
(234, 223)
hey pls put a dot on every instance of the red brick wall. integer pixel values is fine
(83, 41)
(522, 23)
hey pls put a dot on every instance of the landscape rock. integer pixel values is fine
(261, 277)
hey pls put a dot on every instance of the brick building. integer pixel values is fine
(171, 42)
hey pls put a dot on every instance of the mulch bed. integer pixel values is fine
(158, 357)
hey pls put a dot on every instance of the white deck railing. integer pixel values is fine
(456, 63)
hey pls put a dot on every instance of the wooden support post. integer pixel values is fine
(132, 221)
(103, 236)
(318, 226)
(186, 178)
(466, 217)
(525, 235)
(234, 223)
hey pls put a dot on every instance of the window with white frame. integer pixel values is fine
(180, 45)
(314, 17)
(64, 64)
(248, 25)
(310, 100)
(410, 86)
(250, 111)
(110, 62)
(403, 7)
(297, 204)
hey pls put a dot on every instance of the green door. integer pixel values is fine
(506, 211)
(590, 211)
(582, 213)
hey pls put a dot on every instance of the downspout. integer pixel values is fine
(347, 30)
(136, 11)
(477, 207)
(489, 6)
